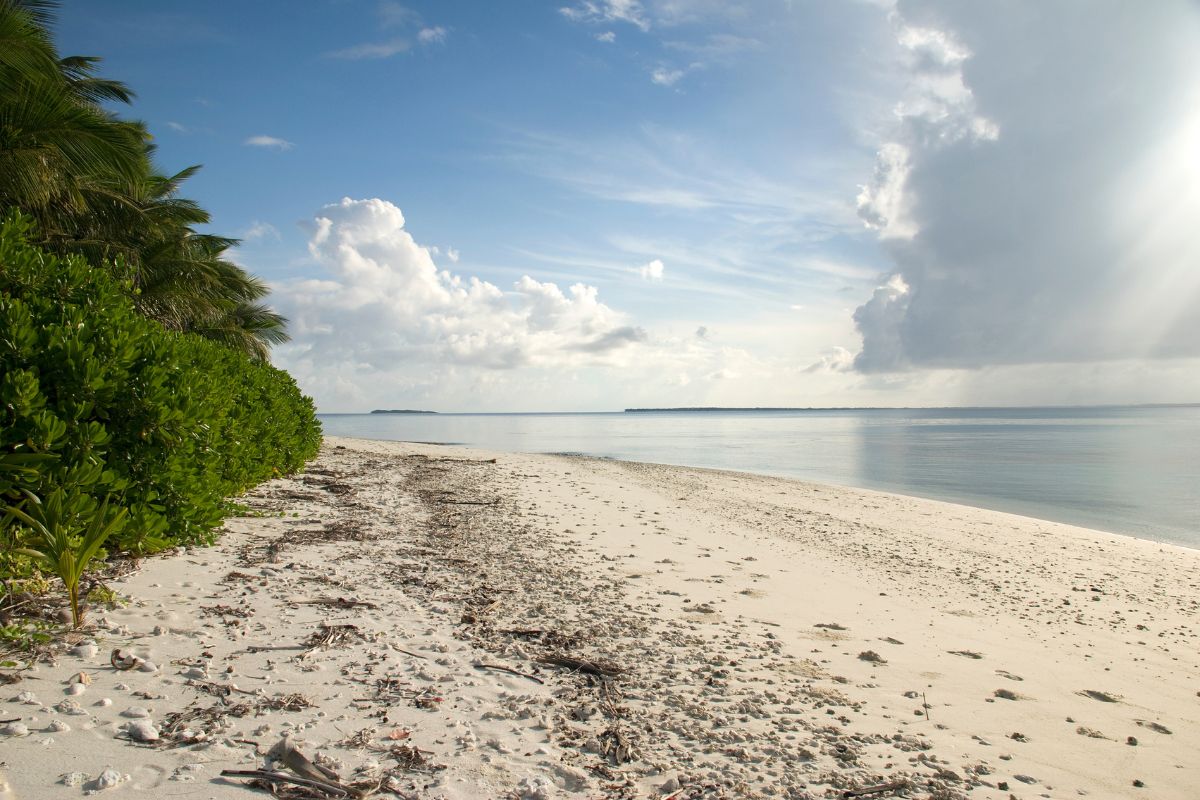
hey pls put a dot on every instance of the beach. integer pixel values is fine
(437, 621)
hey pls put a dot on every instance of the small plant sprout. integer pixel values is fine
(68, 536)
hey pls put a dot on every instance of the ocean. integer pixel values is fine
(1130, 470)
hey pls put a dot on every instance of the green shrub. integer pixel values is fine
(168, 424)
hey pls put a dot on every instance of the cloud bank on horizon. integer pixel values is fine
(388, 317)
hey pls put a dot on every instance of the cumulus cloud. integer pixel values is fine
(384, 325)
(608, 37)
(269, 141)
(652, 271)
(1039, 189)
(387, 302)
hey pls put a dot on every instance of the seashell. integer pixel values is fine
(58, 726)
(107, 780)
(142, 730)
(15, 729)
(76, 689)
(147, 666)
(28, 698)
(80, 677)
(135, 712)
(122, 660)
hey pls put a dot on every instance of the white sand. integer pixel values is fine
(709, 588)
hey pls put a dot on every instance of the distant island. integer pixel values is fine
(727, 408)
(400, 411)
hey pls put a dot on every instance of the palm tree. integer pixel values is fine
(87, 178)
(57, 146)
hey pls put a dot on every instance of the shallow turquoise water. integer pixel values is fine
(1133, 470)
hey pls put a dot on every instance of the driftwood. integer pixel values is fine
(511, 671)
(287, 754)
(271, 776)
(580, 665)
(307, 774)
(877, 789)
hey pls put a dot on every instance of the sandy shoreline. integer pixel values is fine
(774, 638)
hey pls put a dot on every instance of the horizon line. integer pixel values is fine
(651, 409)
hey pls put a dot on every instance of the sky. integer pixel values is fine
(586, 205)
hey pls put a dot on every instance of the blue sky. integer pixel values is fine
(760, 203)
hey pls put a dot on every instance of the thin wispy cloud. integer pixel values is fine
(178, 127)
(607, 11)
(716, 46)
(272, 142)
(260, 230)
(410, 31)
(395, 15)
(372, 50)
(608, 37)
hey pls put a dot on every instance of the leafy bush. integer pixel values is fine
(112, 404)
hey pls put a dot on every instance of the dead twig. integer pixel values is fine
(337, 602)
(534, 678)
(597, 668)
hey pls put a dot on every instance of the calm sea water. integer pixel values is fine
(1129, 470)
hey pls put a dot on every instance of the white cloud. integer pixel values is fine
(836, 359)
(269, 141)
(434, 35)
(372, 50)
(260, 230)
(665, 76)
(653, 271)
(452, 254)
(388, 302)
(608, 37)
(604, 11)
(1035, 195)
(385, 324)
(882, 203)
(938, 110)
(177, 126)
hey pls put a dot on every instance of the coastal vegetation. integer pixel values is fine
(136, 393)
